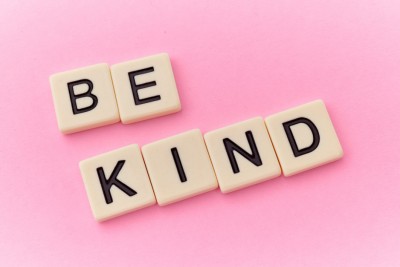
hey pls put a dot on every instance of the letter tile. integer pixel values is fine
(117, 182)
(304, 137)
(179, 167)
(242, 154)
(84, 98)
(145, 88)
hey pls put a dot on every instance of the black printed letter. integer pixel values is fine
(136, 87)
(106, 184)
(73, 97)
(230, 147)
(178, 164)
(296, 151)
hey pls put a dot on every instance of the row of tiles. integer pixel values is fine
(189, 164)
(132, 91)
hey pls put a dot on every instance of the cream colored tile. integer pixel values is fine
(179, 167)
(242, 154)
(117, 182)
(145, 88)
(84, 98)
(304, 137)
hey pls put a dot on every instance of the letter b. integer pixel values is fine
(73, 97)
(84, 98)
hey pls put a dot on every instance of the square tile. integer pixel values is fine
(84, 98)
(242, 154)
(117, 182)
(179, 167)
(304, 137)
(145, 88)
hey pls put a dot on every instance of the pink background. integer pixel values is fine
(232, 60)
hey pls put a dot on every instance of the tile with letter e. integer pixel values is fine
(117, 182)
(179, 167)
(304, 137)
(84, 98)
(242, 154)
(145, 88)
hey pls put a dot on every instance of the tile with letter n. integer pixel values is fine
(117, 182)
(304, 137)
(179, 167)
(145, 88)
(84, 98)
(242, 154)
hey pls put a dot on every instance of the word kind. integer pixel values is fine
(191, 163)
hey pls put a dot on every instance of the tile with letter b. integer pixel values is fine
(117, 182)
(179, 167)
(242, 154)
(304, 137)
(145, 88)
(84, 98)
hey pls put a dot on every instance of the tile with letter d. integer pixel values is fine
(242, 154)
(179, 167)
(84, 98)
(117, 182)
(145, 88)
(304, 137)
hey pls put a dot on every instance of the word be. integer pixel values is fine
(189, 164)
(91, 97)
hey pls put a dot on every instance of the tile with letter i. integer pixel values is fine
(242, 154)
(304, 137)
(117, 182)
(179, 167)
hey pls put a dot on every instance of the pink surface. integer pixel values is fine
(232, 60)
